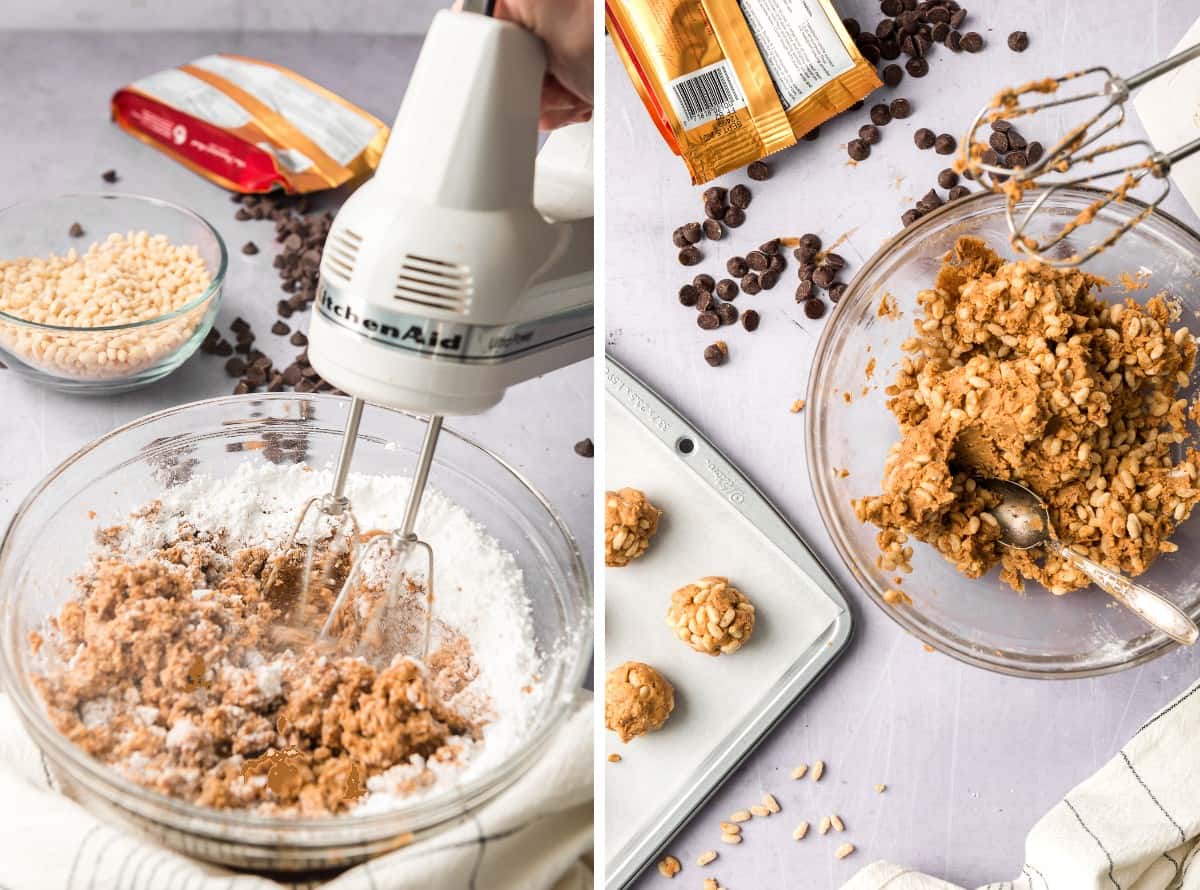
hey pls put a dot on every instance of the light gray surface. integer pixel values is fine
(971, 759)
(57, 138)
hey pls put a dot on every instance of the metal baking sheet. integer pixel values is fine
(715, 522)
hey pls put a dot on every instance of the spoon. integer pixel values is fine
(1025, 524)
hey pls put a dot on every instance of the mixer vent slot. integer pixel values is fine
(340, 253)
(434, 284)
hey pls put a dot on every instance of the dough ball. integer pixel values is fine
(629, 521)
(712, 616)
(637, 700)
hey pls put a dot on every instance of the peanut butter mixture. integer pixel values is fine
(1020, 371)
(181, 672)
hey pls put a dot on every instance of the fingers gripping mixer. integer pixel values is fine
(465, 265)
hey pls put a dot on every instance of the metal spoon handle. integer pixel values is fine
(1155, 610)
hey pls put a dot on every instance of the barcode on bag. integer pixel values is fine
(704, 95)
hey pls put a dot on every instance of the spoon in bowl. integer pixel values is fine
(1025, 524)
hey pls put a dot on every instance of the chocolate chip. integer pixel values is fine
(834, 261)
(947, 178)
(728, 313)
(751, 285)
(224, 349)
(937, 15)
(706, 301)
(924, 138)
(235, 367)
(805, 289)
(1035, 152)
(858, 150)
(871, 53)
(708, 321)
(929, 201)
(739, 197)
(585, 448)
(737, 266)
(910, 216)
(998, 140)
(853, 28)
(280, 328)
(881, 115)
(836, 291)
(768, 279)
(704, 281)
(109, 176)
(734, 217)
(1017, 159)
(945, 144)
(900, 108)
(824, 276)
(959, 191)
(1016, 141)
(916, 67)
(255, 376)
(299, 338)
(715, 353)
(688, 294)
(776, 263)
(940, 32)
(239, 325)
(957, 18)
(893, 75)
(770, 248)
(679, 239)
(249, 248)
(989, 157)
(972, 42)
(713, 230)
(284, 309)
(812, 135)
(727, 289)
(241, 389)
(715, 193)
(889, 49)
(757, 260)
(891, 7)
(759, 171)
(1018, 41)
(954, 42)
(750, 320)
(814, 308)
(885, 29)
(291, 374)
(811, 241)
(692, 232)
(76, 230)
(690, 256)
(275, 384)
(714, 210)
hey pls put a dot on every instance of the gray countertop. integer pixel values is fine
(57, 138)
(971, 759)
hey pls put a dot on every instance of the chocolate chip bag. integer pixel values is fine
(728, 83)
(251, 126)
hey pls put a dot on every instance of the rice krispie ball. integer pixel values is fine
(712, 616)
(629, 521)
(637, 700)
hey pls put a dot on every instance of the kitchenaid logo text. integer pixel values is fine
(410, 335)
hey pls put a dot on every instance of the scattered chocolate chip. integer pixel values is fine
(953, 42)
(223, 349)
(893, 75)
(853, 28)
(776, 263)
(900, 108)
(241, 389)
(757, 260)
(869, 133)
(727, 289)
(770, 248)
(811, 242)
(1035, 152)
(824, 276)
(998, 140)
(759, 171)
(714, 210)
(916, 67)
(924, 138)
(972, 42)
(715, 193)
(836, 291)
(280, 328)
(1001, 125)
(945, 144)
(690, 256)
(768, 279)
(708, 321)
(239, 325)
(728, 313)
(734, 217)
(751, 285)
(679, 239)
(284, 309)
(235, 367)
(910, 216)
(737, 266)
(692, 232)
(812, 135)
(688, 294)
(299, 338)
(109, 176)
(713, 230)
(957, 17)
(1018, 41)
(715, 353)
(292, 375)
(930, 201)
(704, 281)
(959, 191)
(891, 7)
(739, 197)
(814, 308)
(947, 178)
(834, 261)
(858, 150)
(585, 448)
(1016, 159)
(750, 320)
(76, 230)
(249, 248)
(1016, 141)
(805, 289)
(881, 115)
(706, 301)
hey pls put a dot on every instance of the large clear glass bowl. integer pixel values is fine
(148, 350)
(51, 533)
(983, 622)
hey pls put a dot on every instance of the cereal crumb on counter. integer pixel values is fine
(798, 406)
(614, 757)
(669, 866)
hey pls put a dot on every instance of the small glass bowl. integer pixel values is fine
(52, 531)
(149, 349)
(983, 622)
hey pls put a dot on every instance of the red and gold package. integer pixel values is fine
(251, 126)
(729, 82)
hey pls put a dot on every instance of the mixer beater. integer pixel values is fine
(1081, 147)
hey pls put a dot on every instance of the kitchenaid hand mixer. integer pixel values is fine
(464, 266)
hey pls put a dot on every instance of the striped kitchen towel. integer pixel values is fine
(537, 835)
(1134, 825)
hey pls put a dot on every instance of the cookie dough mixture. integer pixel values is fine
(1020, 371)
(637, 700)
(175, 665)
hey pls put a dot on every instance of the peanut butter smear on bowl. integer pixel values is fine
(1019, 370)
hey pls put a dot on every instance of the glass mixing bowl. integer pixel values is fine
(51, 532)
(134, 354)
(982, 622)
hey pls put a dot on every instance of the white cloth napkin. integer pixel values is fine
(537, 835)
(1134, 825)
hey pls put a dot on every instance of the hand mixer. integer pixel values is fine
(1080, 147)
(462, 267)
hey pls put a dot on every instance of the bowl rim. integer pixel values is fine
(209, 819)
(821, 478)
(214, 285)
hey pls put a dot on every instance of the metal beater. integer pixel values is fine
(1080, 146)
